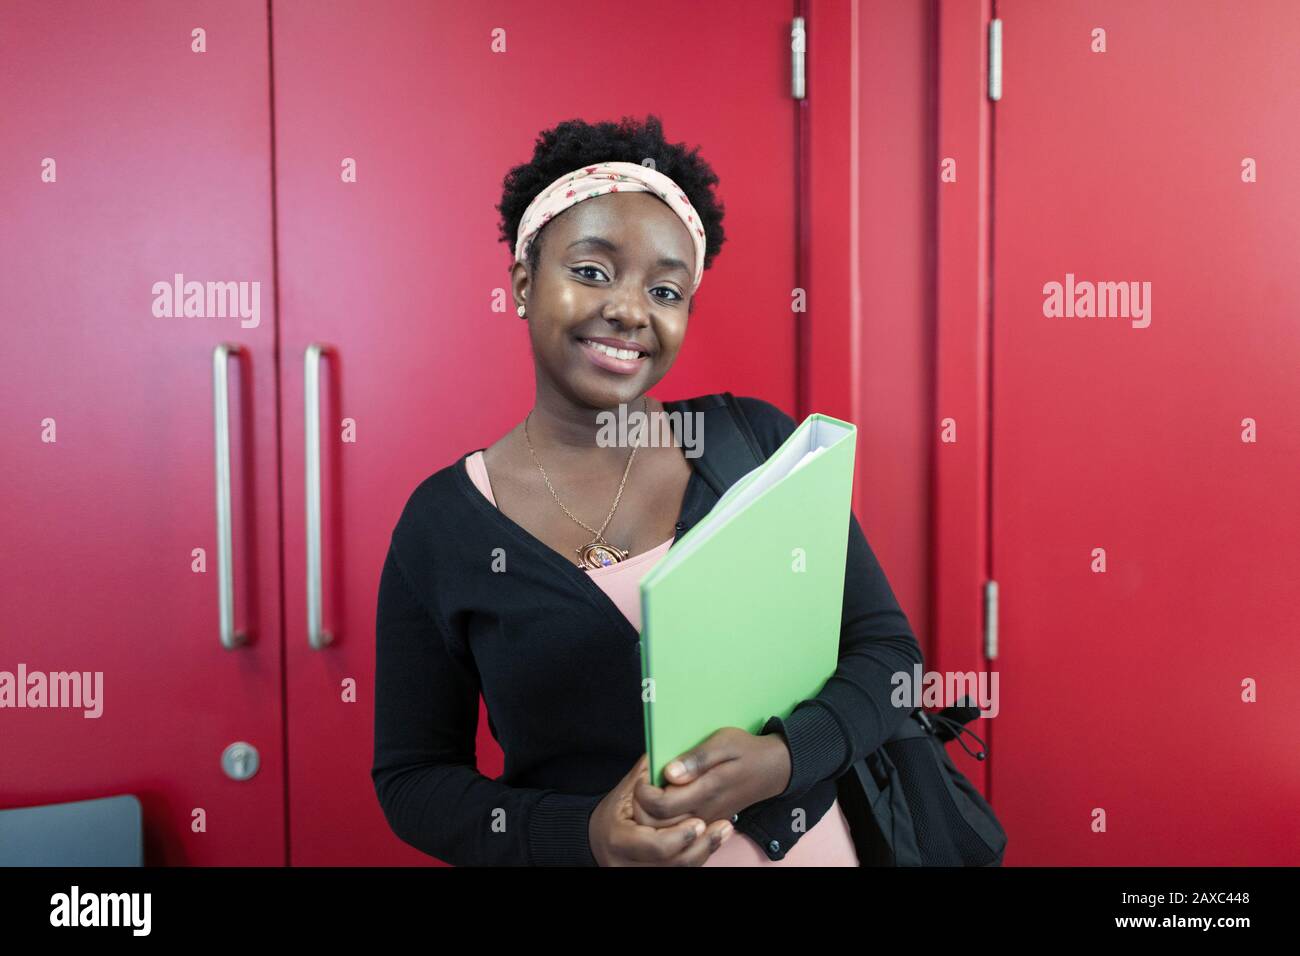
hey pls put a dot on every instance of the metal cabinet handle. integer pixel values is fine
(230, 638)
(316, 637)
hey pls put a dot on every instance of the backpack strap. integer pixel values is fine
(730, 448)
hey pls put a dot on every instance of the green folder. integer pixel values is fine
(741, 618)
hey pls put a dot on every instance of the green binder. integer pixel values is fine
(741, 618)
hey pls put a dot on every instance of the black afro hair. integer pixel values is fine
(574, 143)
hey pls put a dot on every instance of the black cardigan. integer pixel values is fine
(559, 667)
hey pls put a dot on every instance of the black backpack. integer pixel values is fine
(906, 803)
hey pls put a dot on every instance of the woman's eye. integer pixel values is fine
(600, 273)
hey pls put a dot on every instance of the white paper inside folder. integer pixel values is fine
(807, 458)
(803, 445)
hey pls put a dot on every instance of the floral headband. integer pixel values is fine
(598, 180)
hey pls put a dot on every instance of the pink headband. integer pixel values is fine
(597, 180)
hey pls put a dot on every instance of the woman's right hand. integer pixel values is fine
(616, 838)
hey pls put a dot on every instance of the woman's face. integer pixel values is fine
(616, 267)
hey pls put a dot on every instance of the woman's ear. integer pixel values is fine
(519, 286)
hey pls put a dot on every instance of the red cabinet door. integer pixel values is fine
(395, 274)
(135, 151)
(1121, 438)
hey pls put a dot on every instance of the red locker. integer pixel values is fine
(166, 131)
(1144, 515)
(136, 160)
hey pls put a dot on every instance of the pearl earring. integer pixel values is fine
(520, 310)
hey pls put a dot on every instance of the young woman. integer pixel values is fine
(514, 571)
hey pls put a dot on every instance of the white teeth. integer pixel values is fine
(624, 354)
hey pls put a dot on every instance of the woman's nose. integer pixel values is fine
(626, 306)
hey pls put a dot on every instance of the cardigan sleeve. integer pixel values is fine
(853, 714)
(424, 771)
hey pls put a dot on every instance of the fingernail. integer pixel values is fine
(676, 768)
(726, 832)
(699, 828)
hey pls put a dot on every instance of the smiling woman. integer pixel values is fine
(611, 230)
(611, 281)
(514, 572)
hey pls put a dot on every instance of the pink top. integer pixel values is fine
(829, 842)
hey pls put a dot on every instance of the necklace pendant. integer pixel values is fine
(599, 554)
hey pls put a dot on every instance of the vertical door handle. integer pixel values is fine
(317, 638)
(230, 638)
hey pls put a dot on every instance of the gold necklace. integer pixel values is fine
(599, 553)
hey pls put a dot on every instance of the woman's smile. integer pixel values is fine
(619, 361)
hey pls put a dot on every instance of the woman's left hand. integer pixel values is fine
(731, 770)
